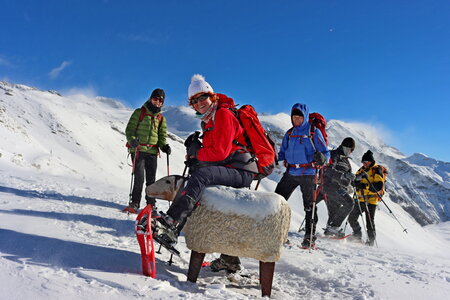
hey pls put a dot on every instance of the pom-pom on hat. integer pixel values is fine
(368, 156)
(199, 85)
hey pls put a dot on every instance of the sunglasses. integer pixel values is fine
(160, 99)
(200, 98)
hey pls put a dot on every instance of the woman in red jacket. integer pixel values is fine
(218, 160)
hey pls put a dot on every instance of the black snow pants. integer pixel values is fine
(339, 204)
(146, 165)
(199, 180)
(369, 210)
(286, 187)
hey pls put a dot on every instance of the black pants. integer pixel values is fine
(201, 178)
(286, 187)
(369, 210)
(339, 205)
(146, 165)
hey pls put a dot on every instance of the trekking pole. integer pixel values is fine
(316, 189)
(381, 199)
(133, 168)
(257, 184)
(370, 218)
(360, 211)
(300, 229)
(168, 165)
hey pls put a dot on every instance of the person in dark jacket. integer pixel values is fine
(217, 160)
(301, 154)
(338, 179)
(369, 182)
(146, 134)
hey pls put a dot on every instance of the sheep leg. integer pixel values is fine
(266, 270)
(195, 264)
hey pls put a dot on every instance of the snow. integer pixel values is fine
(64, 178)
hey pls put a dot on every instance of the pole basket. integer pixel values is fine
(144, 236)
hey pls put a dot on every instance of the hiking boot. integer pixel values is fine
(355, 237)
(333, 231)
(166, 232)
(220, 264)
(132, 208)
(308, 242)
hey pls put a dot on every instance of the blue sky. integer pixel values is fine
(385, 63)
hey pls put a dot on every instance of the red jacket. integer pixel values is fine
(220, 133)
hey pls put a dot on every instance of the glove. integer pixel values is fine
(134, 143)
(359, 177)
(360, 185)
(319, 158)
(193, 148)
(285, 163)
(166, 149)
(193, 137)
(191, 162)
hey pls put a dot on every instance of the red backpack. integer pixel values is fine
(257, 141)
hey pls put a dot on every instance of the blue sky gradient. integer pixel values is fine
(386, 63)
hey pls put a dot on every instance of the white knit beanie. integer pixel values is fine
(199, 85)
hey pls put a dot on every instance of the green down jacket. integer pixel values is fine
(151, 134)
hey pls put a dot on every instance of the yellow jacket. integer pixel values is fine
(377, 177)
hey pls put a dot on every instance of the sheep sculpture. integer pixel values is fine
(237, 222)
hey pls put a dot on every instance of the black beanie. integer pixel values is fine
(158, 93)
(349, 143)
(368, 156)
(297, 112)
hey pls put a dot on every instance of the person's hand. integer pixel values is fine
(166, 149)
(285, 163)
(319, 158)
(190, 162)
(134, 143)
(193, 148)
(190, 139)
(361, 185)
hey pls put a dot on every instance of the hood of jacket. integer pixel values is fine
(305, 111)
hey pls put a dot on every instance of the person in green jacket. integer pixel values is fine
(146, 134)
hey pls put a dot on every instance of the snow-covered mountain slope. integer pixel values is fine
(64, 178)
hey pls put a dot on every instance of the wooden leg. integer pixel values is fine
(266, 270)
(195, 264)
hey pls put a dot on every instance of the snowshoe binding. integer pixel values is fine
(166, 233)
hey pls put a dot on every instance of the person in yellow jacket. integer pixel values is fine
(369, 183)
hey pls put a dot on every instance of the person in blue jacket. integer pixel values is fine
(302, 152)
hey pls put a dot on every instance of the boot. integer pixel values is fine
(166, 233)
(231, 264)
(355, 237)
(333, 231)
(309, 242)
(132, 208)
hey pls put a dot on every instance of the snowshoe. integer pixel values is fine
(145, 239)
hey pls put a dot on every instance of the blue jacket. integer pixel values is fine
(296, 148)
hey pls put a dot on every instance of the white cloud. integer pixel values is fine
(4, 62)
(56, 71)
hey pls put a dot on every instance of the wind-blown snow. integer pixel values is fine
(64, 178)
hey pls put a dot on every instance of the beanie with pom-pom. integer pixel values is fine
(199, 85)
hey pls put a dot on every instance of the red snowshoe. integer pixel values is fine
(144, 236)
